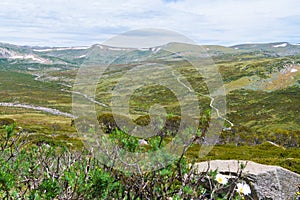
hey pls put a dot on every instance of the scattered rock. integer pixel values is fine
(143, 142)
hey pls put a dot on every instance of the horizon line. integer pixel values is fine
(92, 44)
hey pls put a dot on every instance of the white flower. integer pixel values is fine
(243, 188)
(221, 179)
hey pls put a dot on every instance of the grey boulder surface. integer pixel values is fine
(266, 181)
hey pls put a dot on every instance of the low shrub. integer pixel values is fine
(55, 172)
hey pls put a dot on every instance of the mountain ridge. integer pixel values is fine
(76, 54)
(41, 48)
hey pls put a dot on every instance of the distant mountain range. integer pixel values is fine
(75, 55)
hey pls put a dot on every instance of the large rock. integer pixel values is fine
(266, 181)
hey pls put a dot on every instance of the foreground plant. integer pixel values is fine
(243, 189)
(221, 179)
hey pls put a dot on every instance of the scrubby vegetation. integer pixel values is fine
(43, 171)
(277, 147)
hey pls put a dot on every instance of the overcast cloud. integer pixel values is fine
(77, 22)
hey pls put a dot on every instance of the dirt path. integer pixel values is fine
(87, 97)
(39, 108)
(211, 102)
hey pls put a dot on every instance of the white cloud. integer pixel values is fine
(77, 22)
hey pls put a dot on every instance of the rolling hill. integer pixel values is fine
(261, 81)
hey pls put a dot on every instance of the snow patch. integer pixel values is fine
(32, 69)
(4, 52)
(143, 49)
(61, 49)
(82, 56)
(117, 49)
(155, 50)
(280, 45)
(30, 57)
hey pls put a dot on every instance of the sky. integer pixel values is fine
(86, 22)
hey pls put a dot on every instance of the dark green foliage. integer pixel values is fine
(171, 126)
(124, 140)
(49, 189)
(108, 123)
(6, 121)
(265, 111)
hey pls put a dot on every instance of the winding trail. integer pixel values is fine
(51, 110)
(217, 110)
(211, 102)
(57, 112)
(87, 97)
(39, 108)
(37, 77)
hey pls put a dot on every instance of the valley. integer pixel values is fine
(261, 83)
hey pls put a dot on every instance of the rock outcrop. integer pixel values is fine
(266, 181)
